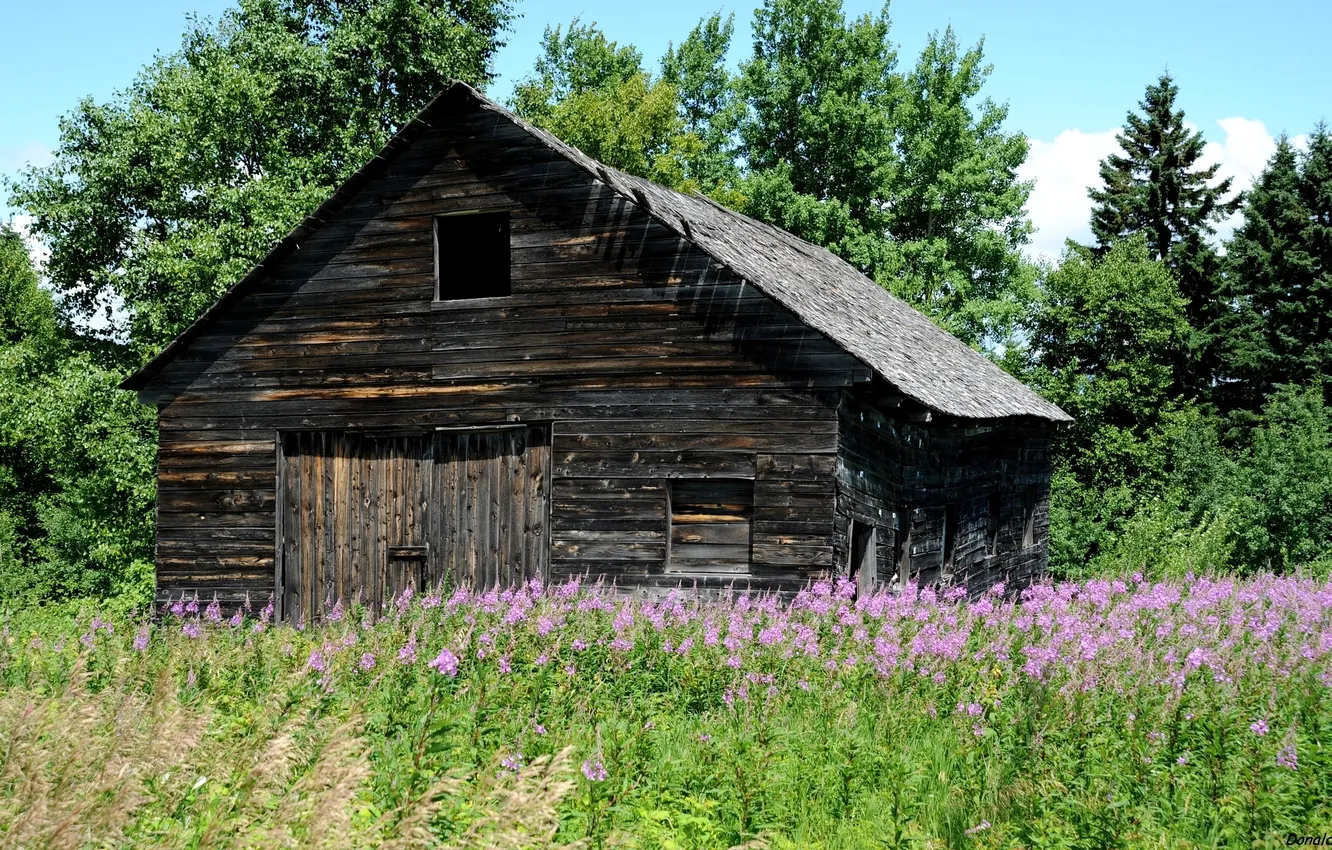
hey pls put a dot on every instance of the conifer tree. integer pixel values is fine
(1280, 279)
(1158, 187)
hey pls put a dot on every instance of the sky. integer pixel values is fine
(1068, 71)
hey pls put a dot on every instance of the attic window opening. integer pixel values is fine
(472, 256)
(710, 525)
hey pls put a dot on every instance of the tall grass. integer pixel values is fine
(1106, 714)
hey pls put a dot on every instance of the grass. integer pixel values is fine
(1105, 714)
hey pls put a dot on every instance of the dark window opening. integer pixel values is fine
(472, 256)
(1029, 518)
(949, 541)
(710, 521)
(903, 545)
(993, 526)
(864, 561)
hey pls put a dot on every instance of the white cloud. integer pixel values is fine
(1064, 169)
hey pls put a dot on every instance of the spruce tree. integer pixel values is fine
(1157, 187)
(1280, 279)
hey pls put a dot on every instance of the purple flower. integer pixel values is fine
(1259, 727)
(595, 771)
(337, 613)
(367, 661)
(505, 667)
(980, 827)
(191, 630)
(513, 762)
(317, 662)
(141, 639)
(1287, 758)
(213, 613)
(407, 655)
(446, 664)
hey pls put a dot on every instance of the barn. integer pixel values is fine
(489, 359)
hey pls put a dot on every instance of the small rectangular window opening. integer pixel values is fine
(993, 526)
(902, 553)
(1029, 518)
(710, 523)
(864, 562)
(472, 256)
(949, 541)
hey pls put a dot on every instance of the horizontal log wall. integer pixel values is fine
(887, 462)
(651, 362)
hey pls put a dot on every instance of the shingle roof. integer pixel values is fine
(900, 344)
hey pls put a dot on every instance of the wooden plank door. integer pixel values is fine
(491, 503)
(353, 520)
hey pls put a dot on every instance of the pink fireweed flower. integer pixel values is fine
(513, 762)
(595, 771)
(192, 607)
(980, 827)
(539, 729)
(141, 639)
(446, 663)
(236, 620)
(367, 661)
(407, 655)
(570, 669)
(213, 613)
(191, 630)
(504, 666)
(317, 662)
(1287, 758)
(1259, 727)
(337, 613)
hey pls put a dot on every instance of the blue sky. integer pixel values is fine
(1069, 71)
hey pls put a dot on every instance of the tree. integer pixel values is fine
(1158, 188)
(1279, 279)
(76, 456)
(708, 103)
(161, 198)
(904, 175)
(594, 94)
(1102, 343)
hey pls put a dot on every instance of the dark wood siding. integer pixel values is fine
(649, 362)
(937, 468)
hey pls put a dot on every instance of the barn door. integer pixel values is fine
(491, 505)
(365, 518)
(354, 519)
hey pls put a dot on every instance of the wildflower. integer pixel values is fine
(337, 613)
(407, 655)
(367, 661)
(570, 669)
(1183, 759)
(317, 662)
(446, 663)
(595, 771)
(192, 607)
(1287, 758)
(513, 762)
(980, 827)
(141, 639)
(191, 630)
(505, 667)
(236, 620)
(539, 729)
(1259, 727)
(213, 613)
(704, 737)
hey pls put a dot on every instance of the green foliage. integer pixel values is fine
(905, 175)
(166, 195)
(1281, 491)
(1102, 343)
(76, 457)
(595, 95)
(1156, 188)
(1279, 277)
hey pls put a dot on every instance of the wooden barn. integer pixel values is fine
(489, 359)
